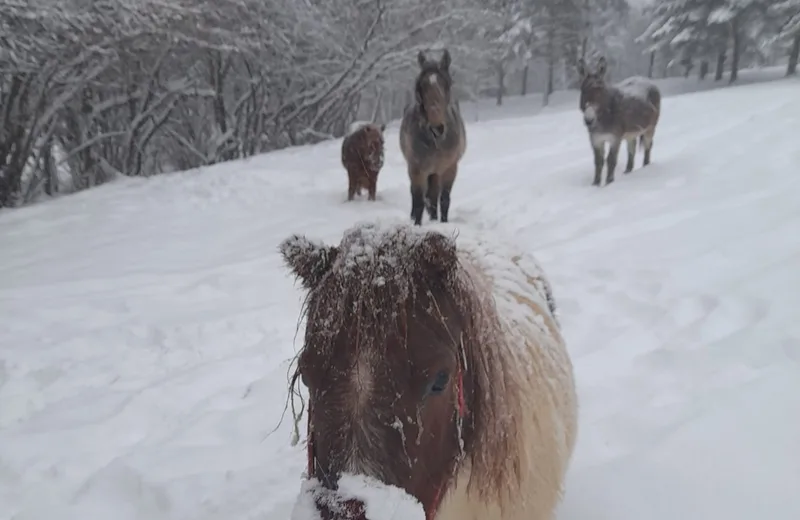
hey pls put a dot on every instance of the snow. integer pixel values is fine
(356, 125)
(383, 502)
(148, 325)
(635, 86)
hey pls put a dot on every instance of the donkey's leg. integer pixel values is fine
(631, 145)
(418, 181)
(598, 149)
(648, 145)
(448, 179)
(611, 160)
(432, 197)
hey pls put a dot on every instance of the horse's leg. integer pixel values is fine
(598, 148)
(418, 181)
(351, 186)
(631, 145)
(611, 160)
(648, 145)
(448, 178)
(432, 197)
(372, 186)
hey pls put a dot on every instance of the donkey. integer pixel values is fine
(612, 113)
(433, 138)
(434, 367)
(362, 157)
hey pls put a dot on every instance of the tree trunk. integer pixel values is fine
(501, 77)
(703, 69)
(720, 66)
(551, 66)
(794, 54)
(524, 90)
(737, 51)
(652, 64)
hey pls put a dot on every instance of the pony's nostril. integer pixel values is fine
(437, 130)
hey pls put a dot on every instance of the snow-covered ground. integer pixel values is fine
(147, 325)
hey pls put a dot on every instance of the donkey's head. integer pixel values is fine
(384, 360)
(595, 97)
(432, 90)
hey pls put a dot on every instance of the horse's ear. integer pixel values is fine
(439, 252)
(602, 64)
(421, 59)
(445, 61)
(581, 68)
(309, 261)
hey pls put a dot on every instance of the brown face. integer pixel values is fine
(433, 91)
(594, 95)
(375, 133)
(383, 370)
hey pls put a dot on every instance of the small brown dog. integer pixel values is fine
(362, 157)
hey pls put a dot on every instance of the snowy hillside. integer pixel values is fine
(147, 325)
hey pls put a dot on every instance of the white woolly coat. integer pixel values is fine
(541, 365)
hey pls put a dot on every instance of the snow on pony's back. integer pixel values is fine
(381, 501)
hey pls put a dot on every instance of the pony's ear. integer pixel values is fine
(445, 61)
(602, 65)
(439, 252)
(581, 68)
(421, 59)
(309, 261)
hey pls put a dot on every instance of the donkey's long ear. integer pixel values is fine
(309, 261)
(445, 61)
(421, 59)
(439, 253)
(581, 68)
(602, 65)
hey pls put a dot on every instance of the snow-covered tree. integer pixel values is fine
(786, 14)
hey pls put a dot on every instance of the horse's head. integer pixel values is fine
(375, 133)
(432, 90)
(384, 360)
(594, 97)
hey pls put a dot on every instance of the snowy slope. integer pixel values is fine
(147, 325)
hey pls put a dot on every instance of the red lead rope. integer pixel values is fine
(462, 412)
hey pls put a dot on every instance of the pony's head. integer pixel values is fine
(433, 90)
(391, 364)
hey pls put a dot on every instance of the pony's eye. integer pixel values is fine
(439, 382)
